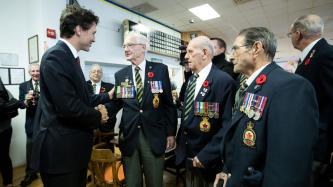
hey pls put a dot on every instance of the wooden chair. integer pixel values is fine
(106, 167)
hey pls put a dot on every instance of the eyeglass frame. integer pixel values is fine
(235, 47)
(131, 45)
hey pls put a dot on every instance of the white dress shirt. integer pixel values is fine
(142, 67)
(202, 77)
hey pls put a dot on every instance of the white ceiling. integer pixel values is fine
(277, 15)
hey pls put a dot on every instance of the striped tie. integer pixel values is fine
(240, 93)
(139, 89)
(189, 98)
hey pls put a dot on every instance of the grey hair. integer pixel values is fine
(263, 35)
(97, 66)
(205, 43)
(309, 25)
(32, 65)
(140, 39)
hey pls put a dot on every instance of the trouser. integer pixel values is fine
(72, 179)
(144, 158)
(6, 167)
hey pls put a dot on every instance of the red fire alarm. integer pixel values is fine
(51, 33)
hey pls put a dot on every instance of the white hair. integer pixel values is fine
(140, 39)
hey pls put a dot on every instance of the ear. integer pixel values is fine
(205, 54)
(78, 30)
(257, 48)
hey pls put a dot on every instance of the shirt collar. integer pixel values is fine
(205, 71)
(71, 47)
(98, 83)
(254, 75)
(142, 65)
(307, 49)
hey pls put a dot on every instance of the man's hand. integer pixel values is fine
(218, 179)
(104, 113)
(111, 92)
(170, 142)
(197, 163)
(28, 97)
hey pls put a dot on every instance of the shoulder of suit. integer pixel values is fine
(123, 70)
(156, 64)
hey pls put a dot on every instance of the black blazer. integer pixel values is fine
(191, 141)
(319, 72)
(284, 135)
(65, 117)
(156, 124)
(224, 65)
(105, 87)
(30, 110)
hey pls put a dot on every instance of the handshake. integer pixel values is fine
(102, 109)
(31, 98)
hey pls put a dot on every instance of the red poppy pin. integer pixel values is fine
(308, 60)
(261, 79)
(205, 83)
(102, 90)
(150, 74)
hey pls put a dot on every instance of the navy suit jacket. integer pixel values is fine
(157, 123)
(65, 117)
(191, 141)
(282, 154)
(24, 88)
(319, 72)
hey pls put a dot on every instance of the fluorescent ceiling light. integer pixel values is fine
(204, 12)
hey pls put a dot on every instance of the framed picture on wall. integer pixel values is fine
(33, 49)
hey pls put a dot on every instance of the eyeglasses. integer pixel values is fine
(129, 45)
(289, 34)
(235, 48)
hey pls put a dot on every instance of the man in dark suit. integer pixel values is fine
(270, 138)
(208, 101)
(219, 60)
(97, 86)
(65, 114)
(29, 95)
(317, 66)
(149, 119)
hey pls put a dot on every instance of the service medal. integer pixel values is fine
(156, 101)
(250, 114)
(256, 115)
(249, 136)
(205, 125)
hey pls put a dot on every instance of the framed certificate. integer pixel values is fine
(33, 49)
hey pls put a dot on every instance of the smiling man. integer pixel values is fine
(269, 140)
(149, 120)
(65, 114)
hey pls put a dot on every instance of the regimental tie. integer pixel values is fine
(240, 93)
(94, 88)
(36, 86)
(189, 99)
(139, 85)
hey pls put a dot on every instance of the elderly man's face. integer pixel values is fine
(194, 56)
(34, 73)
(96, 74)
(240, 56)
(133, 50)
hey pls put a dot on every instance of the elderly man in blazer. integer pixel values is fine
(97, 86)
(208, 102)
(29, 95)
(149, 120)
(66, 115)
(316, 65)
(270, 138)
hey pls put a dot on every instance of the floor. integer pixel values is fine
(168, 178)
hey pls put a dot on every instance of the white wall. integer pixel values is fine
(23, 19)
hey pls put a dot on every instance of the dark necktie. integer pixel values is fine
(36, 86)
(189, 98)
(240, 93)
(94, 88)
(139, 86)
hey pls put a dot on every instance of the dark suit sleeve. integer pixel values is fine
(211, 152)
(22, 92)
(169, 107)
(66, 99)
(291, 125)
(3, 94)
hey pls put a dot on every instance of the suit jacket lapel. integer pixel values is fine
(253, 88)
(146, 89)
(204, 90)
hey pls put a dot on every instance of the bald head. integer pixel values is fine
(199, 53)
(309, 25)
